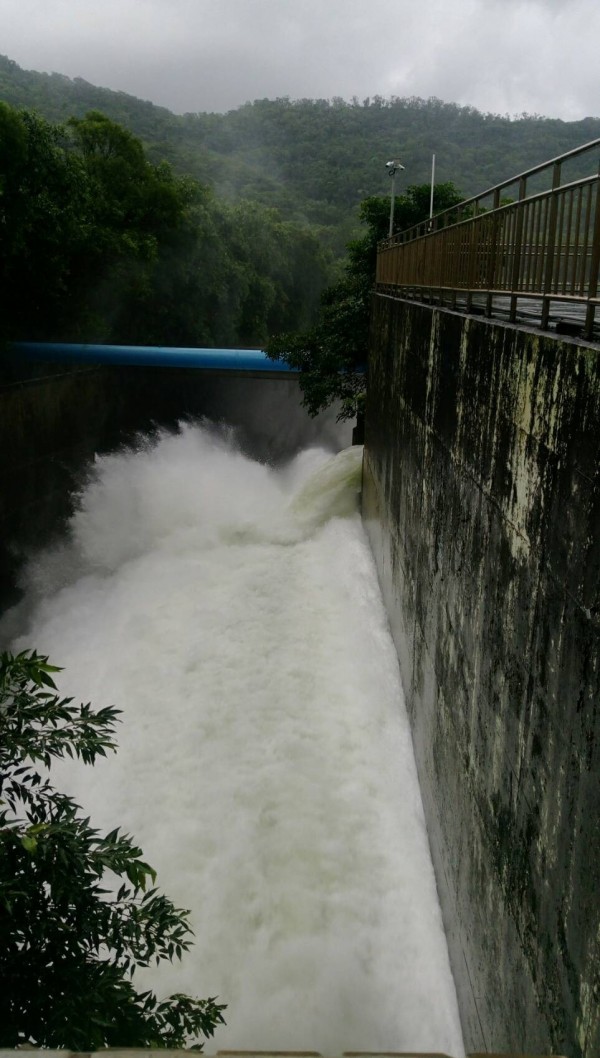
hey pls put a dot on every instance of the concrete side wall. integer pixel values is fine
(482, 501)
(52, 419)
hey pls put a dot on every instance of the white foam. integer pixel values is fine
(265, 761)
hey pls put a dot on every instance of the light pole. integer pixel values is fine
(393, 168)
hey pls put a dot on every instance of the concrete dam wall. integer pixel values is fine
(482, 501)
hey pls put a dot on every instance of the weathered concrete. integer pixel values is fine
(51, 421)
(482, 501)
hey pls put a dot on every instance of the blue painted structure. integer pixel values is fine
(248, 360)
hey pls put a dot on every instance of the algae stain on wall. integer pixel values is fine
(482, 501)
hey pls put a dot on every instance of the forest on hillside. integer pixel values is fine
(314, 160)
(99, 244)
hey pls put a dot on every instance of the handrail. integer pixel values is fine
(545, 245)
(558, 160)
(521, 178)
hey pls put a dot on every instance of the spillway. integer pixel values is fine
(231, 610)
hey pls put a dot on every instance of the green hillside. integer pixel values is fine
(313, 159)
(100, 244)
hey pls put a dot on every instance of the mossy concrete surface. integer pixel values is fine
(482, 501)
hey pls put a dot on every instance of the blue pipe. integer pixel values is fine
(154, 356)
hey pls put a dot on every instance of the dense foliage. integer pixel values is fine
(70, 940)
(315, 159)
(100, 244)
(332, 355)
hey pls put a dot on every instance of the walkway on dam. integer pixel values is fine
(526, 251)
(567, 320)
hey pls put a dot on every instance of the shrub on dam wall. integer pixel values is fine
(69, 944)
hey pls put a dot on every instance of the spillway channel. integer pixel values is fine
(265, 764)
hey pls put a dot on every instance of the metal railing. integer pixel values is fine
(487, 254)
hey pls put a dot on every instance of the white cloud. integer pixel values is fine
(500, 55)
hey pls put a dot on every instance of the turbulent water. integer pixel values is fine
(232, 612)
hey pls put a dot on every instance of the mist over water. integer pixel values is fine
(265, 764)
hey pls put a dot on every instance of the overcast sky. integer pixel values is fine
(505, 56)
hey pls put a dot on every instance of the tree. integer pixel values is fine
(69, 944)
(99, 244)
(413, 207)
(43, 220)
(332, 356)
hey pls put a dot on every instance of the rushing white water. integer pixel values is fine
(265, 765)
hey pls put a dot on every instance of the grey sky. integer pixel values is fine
(506, 56)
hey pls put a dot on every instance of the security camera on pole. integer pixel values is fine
(393, 168)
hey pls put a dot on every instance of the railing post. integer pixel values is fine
(594, 270)
(493, 254)
(514, 279)
(551, 243)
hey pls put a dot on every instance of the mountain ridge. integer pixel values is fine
(313, 159)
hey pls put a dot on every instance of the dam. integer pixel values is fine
(480, 495)
(118, 573)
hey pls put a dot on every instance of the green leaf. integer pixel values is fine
(70, 946)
